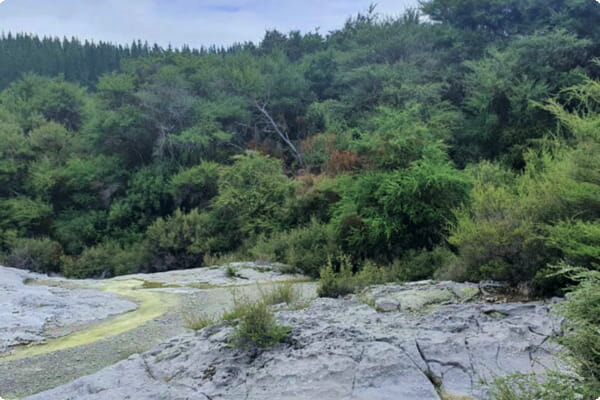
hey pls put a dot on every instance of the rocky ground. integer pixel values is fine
(425, 341)
(73, 328)
(32, 313)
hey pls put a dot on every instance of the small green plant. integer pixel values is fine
(240, 304)
(257, 328)
(157, 285)
(582, 316)
(335, 284)
(581, 342)
(231, 272)
(197, 322)
(531, 387)
(282, 293)
(370, 274)
(216, 259)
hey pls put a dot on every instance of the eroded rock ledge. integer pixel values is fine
(443, 344)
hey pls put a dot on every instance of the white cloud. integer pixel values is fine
(194, 22)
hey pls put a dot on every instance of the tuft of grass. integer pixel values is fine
(283, 293)
(198, 322)
(337, 284)
(448, 396)
(231, 272)
(217, 259)
(258, 328)
(553, 386)
(240, 303)
(201, 285)
(255, 324)
(157, 285)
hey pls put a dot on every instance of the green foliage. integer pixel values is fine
(495, 237)
(395, 138)
(582, 318)
(78, 229)
(422, 264)
(308, 145)
(34, 97)
(335, 284)
(24, 214)
(105, 260)
(14, 152)
(305, 249)
(198, 322)
(382, 214)
(508, 18)
(195, 186)
(281, 293)
(77, 61)
(582, 315)
(578, 242)
(341, 281)
(257, 328)
(531, 387)
(253, 193)
(39, 255)
(231, 272)
(513, 227)
(147, 197)
(180, 241)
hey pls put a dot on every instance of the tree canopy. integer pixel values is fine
(469, 126)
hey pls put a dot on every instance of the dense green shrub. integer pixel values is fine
(252, 198)
(25, 215)
(383, 214)
(578, 242)
(38, 255)
(305, 249)
(78, 229)
(416, 265)
(106, 260)
(513, 228)
(495, 238)
(147, 196)
(180, 241)
(314, 198)
(195, 186)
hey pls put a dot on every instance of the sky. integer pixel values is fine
(178, 22)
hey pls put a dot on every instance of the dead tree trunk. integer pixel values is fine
(283, 135)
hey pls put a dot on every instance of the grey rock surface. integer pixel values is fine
(245, 273)
(33, 313)
(344, 349)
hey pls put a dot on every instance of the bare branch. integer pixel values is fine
(282, 134)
